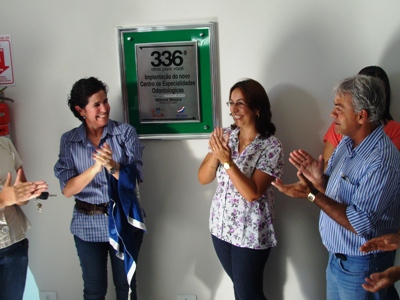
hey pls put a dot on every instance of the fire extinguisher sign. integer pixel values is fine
(6, 66)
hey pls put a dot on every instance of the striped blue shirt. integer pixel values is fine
(76, 157)
(367, 180)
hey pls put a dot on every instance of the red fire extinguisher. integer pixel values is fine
(4, 115)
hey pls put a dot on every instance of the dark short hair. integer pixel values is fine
(378, 72)
(256, 99)
(81, 91)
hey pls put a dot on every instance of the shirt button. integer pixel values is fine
(5, 229)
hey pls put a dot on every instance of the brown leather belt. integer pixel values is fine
(91, 209)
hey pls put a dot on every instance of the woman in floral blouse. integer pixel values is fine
(245, 158)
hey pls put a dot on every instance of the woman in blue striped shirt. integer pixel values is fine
(89, 155)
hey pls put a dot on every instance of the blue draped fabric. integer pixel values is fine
(126, 216)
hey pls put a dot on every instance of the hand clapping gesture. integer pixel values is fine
(219, 145)
(20, 192)
(310, 173)
(386, 242)
(299, 189)
(103, 158)
(382, 280)
(311, 168)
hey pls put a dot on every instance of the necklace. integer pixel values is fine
(244, 145)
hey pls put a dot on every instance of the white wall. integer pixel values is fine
(296, 49)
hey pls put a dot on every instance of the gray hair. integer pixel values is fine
(367, 93)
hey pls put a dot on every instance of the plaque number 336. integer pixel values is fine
(167, 58)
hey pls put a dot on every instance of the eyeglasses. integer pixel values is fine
(238, 104)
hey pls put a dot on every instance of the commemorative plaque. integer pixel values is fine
(170, 81)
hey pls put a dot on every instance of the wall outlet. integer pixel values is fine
(44, 295)
(186, 297)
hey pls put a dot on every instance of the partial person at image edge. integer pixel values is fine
(14, 192)
(358, 194)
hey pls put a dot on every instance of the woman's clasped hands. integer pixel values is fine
(103, 158)
(219, 145)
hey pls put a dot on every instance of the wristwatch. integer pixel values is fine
(311, 196)
(227, 165)
(113, 170)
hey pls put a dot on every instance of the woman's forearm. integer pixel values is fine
(76, 184)
(208, 169)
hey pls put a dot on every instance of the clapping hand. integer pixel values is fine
(386, 242)
(382, 280)
(20, 192)
(311, 168)
(299, 189)
(103, 157)
(219, 145)
(300, 158)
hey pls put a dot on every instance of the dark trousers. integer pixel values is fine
(93, 259)
(13, 269)
(245, 267)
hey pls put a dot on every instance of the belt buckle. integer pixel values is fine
(341, 256)
(92, 209)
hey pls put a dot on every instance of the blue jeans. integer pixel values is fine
(391, 291)
(245, 267)
(13, 269)
(344, 277)
(93, 259)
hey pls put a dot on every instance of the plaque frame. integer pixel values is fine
(204, 34)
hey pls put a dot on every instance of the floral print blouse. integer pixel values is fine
(232, 218)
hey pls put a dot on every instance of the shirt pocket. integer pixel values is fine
(347, 187)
